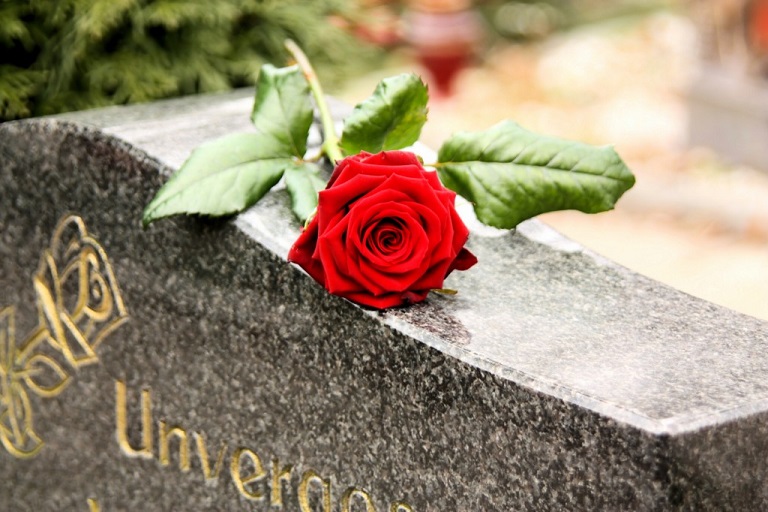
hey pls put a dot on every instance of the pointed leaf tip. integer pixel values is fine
(221, 177)
(511, 174)
(392, 118)
(282, 109)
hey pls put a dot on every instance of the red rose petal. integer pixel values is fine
(386, 231)
(365, 216)
(389, 300)
(336, 261)
(393, 158)
(464, 261)
(415, 239)
(368, 268)
(342, 165)
(337, 199)
(434, 180)
(302, 250)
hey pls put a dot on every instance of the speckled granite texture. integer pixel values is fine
(555, 380)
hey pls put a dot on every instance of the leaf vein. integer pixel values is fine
(207, 177)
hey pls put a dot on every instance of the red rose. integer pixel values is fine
(386, 232)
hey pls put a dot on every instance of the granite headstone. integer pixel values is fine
(190, 367)
(728, 112)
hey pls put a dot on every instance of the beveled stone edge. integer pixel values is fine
(532, 229)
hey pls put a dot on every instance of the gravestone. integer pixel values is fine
(190, 367)
(728, 96)
(728, 112)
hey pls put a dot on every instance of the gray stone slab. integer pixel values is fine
(555, 380)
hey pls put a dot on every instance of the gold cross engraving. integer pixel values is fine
(78, 306)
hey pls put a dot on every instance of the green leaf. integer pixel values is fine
(221, 177)
(512, 174)
(390, 119)
(282, 109)
(303, 182)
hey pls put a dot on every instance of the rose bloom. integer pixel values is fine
(386, 232)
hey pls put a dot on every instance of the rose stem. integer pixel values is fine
(331, 143)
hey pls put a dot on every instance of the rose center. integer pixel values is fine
(386, 237)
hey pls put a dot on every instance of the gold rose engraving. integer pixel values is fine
(78, 306)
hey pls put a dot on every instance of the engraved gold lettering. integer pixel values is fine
(93, 505)
(314, 493)
(346, 500)
(307, 478)
(240, 480)
(202, 453)
(278, 476)
(165, 433)
(121, 414)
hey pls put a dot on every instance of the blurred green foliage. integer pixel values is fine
(61, 55)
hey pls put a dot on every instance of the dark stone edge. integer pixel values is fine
(660, 428)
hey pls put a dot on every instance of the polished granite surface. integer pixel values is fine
(554, 380)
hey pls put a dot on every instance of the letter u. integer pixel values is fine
(121, 416)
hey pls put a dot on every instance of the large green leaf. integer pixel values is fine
(512, 174)
(221, 177)
(303, 182)
(282, 109)
(390, 119)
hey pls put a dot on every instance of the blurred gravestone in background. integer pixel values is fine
(734, 34)
(63, 55)
(729, 99)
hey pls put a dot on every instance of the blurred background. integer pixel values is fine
(680, 87)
